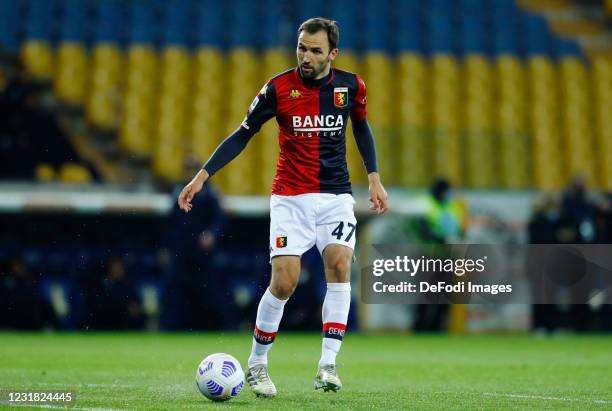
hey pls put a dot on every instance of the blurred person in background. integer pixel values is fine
(578, 213)
(445, 216)
(544, 228)
(113, 301)
(544, 223)
(443, 223)
(578, 221)
(193, 294)
(22, 305)
(574, 218)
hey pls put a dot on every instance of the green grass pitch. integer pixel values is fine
(156, 371)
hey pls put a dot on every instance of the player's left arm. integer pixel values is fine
(365, 144)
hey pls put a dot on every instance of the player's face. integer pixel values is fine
(313, 54)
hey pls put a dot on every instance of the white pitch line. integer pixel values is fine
(83, 384)
(109, 385)
(542, 397)
(60, 407)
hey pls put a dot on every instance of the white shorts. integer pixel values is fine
(299, 222)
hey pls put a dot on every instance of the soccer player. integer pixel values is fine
(311, 202)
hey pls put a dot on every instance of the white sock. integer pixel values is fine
(335, 314)
(269, 314)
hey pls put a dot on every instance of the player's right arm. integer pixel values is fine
(261, 110)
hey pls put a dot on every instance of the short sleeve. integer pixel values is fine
(262, 108)
(359, 111)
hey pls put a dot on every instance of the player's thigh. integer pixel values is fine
(292, 226)
(337, 262)
(337, 224)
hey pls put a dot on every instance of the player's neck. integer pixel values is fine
(325, 73)
(323, 78)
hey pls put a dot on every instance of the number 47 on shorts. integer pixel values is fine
(339, 231)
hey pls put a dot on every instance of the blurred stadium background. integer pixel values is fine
(108, 105)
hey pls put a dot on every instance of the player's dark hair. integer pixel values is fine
(316, 24)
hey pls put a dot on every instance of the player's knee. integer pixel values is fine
(283, 288)
(341, 269)
(284, 282)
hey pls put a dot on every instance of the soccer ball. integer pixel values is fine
(220, 377)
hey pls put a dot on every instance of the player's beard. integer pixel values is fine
(317, 69)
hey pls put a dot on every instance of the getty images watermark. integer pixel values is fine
(464, 274)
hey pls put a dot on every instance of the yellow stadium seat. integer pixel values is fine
(71, 73)
(513, 148)
(479, 149)
(378, 59)
(275, 61)
(176, 72)
(510, 85)
(168, 162)
(378, 70)
(137, 131)
(576, 117)
(243, 69)
(601, 79)
(546, 155)
(544, 112)
(104, 101)
(37, 57)
(414, 163)
(142, 67)
(447, 160)
(348, 61)
(172, 142)
(108, 56)
(73, 173)
(45, 173)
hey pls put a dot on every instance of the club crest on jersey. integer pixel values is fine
(281, 241)
(340, 96)
(295, 94)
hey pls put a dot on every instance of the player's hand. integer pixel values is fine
(191, 189)
(378, 194)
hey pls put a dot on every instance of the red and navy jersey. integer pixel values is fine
(312, 118)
